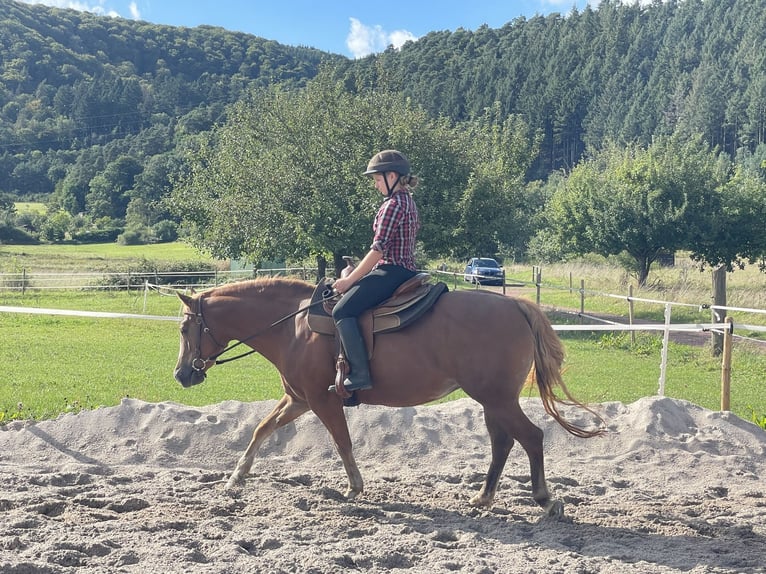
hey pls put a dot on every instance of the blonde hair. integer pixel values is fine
(410, 181)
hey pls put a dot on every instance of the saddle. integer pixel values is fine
(407, 304)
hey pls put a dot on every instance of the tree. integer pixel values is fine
(640, 201)
(282, 178)
(735, 237)
(109, 190)
(7, 209)
(495, 209)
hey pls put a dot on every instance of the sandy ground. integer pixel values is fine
(139, 488)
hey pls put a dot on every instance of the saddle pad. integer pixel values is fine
(394, 313)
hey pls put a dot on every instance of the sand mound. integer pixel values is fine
(139, 488)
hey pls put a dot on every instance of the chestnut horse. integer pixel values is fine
(482, 342)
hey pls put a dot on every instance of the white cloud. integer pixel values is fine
(365, 40)
(135, 13)
(96, 7)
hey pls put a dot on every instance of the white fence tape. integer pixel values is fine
(96, 314)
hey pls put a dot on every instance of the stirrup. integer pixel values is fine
(350, 386)
(347, 388)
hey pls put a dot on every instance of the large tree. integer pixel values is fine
(282, 178)
(641, 201)
(496, 210)
(735, 237)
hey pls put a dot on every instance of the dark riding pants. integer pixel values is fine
(372, 289)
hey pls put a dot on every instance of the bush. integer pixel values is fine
(161, 273)
(134, 236)
(165, 231)
(545, 247)
(97, 235)
(16, 236)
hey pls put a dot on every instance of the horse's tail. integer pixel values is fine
(548, 360)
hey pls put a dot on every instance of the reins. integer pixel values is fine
(327, 295)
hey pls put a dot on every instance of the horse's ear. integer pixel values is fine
(185, 298)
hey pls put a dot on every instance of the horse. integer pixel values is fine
(482, 342)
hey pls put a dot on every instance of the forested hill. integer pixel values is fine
(70, 80)
(622, 71)
(94, 110)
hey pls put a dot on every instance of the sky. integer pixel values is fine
(352, 28)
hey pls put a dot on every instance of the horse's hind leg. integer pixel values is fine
(287, 410)
(504, 426)
(530, 437)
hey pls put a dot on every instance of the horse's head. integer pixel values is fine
(199, 346)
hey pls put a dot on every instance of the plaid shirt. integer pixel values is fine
(396, 226)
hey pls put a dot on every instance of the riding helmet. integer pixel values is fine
(388, 160)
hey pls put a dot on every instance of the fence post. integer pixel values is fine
(630, 314)
(24, 281)
(719, 298)
(726, 366)
(538, 280)
(664, 354)
(582, 299)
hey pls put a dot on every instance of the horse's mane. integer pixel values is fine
(243, 288)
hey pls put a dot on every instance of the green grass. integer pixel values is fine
(55, 364)
(30, 207)
(91, 257)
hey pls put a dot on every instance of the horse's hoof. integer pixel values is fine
(480, 501)
(235, 482)
(352, 494)
(555, 509)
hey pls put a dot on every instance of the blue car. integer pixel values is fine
(484, 271)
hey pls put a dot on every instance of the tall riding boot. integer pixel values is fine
(356, 353)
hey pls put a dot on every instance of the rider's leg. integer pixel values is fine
(356, 352)
(372, 289)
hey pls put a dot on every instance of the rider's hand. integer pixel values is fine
(342, 285)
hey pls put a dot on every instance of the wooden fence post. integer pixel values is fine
(582, 299)
(538, 280)
(719, 299)
(726, 366)
(630, 314)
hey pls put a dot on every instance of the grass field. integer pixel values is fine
(57, 364)
(30, 207)
(89, 257)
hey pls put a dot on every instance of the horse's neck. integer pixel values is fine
(263, 312)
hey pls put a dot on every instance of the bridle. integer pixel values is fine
(199, 363)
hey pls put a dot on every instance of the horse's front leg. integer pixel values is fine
(330, 411)
(287, 410)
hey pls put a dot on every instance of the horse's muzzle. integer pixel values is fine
(189, 377)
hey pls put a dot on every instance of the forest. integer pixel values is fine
(539, 124)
